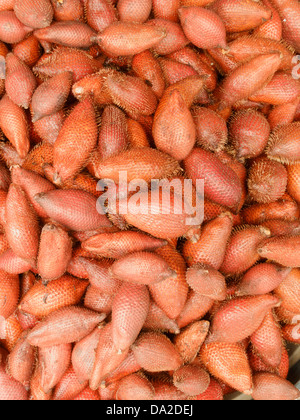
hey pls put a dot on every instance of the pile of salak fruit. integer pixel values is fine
(160, 303)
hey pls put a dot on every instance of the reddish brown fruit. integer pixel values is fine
(155, 353)
(241, 15)
(20, 82)
(214, 392)
(100, 14)
(283, 144)
(69, 34)
(32, 184)
(14, 125)
(129, 313)
(7, 5)
(142, 268)
(131, 11)
(283, 114)
(267, 341)
(240, 317)
(175, 287)
(55, 252)
(283, 249)
(175, 139)
(84, 354)
(174, 38)
(10, 389)
(191, 379)
(157, 320)
(74, 209)
(211, 247)
(195, 308)
(68, 10)
(127, 367)
(12, 30)
(22, 227)
(221, 184)
(116, 245)
(289, 291)
(283, 88)
(13, 264)
(122, 38)
(289, 13)
(293, 181)
(190, 340)
(54, 362)
(68, 387)
(9, 294)
(49, 127)
(64, 326)
(168, 11)
(147, 67)
(291, 333)
(211, 129)
(50, 96)
(36, 13)
(212, 34)
(248, 78)
(272, 28)
(241, 252)
(228, 362)
(41, 300)
(97, 301)
(249, 133)
(64, 59)
(107, 357)
(270, 387)
(81, 121)
(174, 71)
(87, 395)
(261, 279)
(267, 181)
(206, 281)
(135, 387)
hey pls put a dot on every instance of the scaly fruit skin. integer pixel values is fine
(289, 291)
(69, 34)
(9, 293)
(127, 367)
(177, 139)
(116, 245)
(41, 299)
(130, 11)
(267, 340)
(211, 247)
(64, 326)
(55, 252)
(155, 352)
(20, 363)
(84, 354)
(11, 29)
(141, 267)
(68, 387)
(20, 82)
(239, 318)
(68, 10)
(10, 389)
(14, 125)
(36, 13)
(174, 38)
(272, 28)
(267, 386)
(168, 11)
(261, 279)
(50, 96)
(22, 226)
(189, 341)
(191, 379)
(135, 387)
(81, 122)
(249, 133)
(283, 250)
(289, 12)
(241, 252)
(283, 144)
(211, 129)
(122, 38)
(267, 181)
(74, 209)
(228, 362)
(212, 33)
(240, 15)
(221, 184)
(248, 78)
(207, 281)
(100, 14)
(129, 312)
